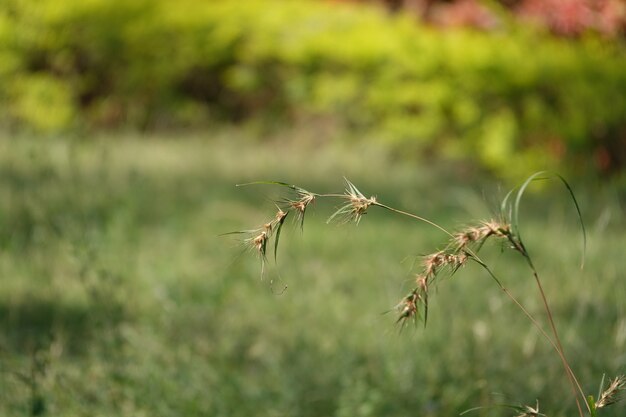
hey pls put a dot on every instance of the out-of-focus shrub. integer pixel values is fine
(568, 18)
(513, 100)
(41, 102)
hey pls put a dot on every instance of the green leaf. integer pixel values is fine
(282, 184)
(592, 405)
(239, 232)
(520, 193)
(277, 236)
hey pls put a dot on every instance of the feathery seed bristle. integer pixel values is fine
(613, 393)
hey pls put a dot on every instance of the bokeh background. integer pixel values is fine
(125, 125)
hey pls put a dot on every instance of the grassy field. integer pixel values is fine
(118, 297)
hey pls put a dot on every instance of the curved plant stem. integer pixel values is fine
(576, 388)
(556, 343)
(416, 217)
(573, 380)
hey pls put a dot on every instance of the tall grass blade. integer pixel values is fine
(277, 235)
(239, 232)
(282, 184)
(518, 199)
(520, 194)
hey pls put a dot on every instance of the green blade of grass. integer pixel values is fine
(518, 199)
(277, 236)
(520, 193)
(239, 232)
(591, 402)
(282, 184)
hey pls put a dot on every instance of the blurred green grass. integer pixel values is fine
(118, 297)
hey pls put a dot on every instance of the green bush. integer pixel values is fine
(514, 100)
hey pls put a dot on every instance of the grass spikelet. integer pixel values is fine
(258, 243)
(613, 393)
(258, 238)
(422, 287)
(303, 199)
(477, 235)
(300, 204)
(408, 308)
(431, 265)
(356, 205)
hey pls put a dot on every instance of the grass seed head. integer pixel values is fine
(613, 393)
(466, 237)
(422, 283)
(408, 307)
(300, 205)
(355, 207)
(359, 207)
(495, 228)
(432, 263)
(478, 234)
(280, 215)
(259, 243)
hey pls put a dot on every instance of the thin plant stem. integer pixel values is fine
(572, 378)
(556, 344)
(416, 217)
(576, 388)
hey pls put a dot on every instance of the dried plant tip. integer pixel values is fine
(613, 393)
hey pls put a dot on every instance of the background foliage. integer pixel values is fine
(118, 297)
(512, 99)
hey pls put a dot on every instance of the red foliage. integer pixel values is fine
(562, 17)
(574, 17)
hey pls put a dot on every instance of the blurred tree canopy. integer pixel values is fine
(512, 98)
